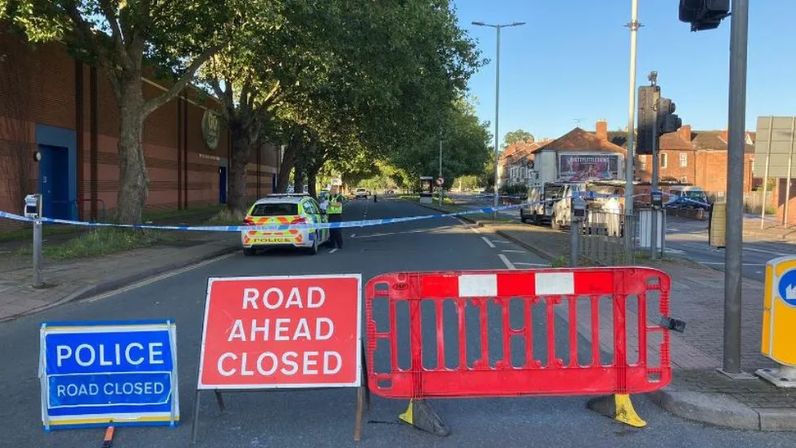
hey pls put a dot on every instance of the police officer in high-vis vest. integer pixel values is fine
(335, 212)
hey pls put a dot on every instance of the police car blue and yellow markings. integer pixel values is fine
(95, 374)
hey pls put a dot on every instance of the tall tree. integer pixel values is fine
(120, 36)
(520, 135)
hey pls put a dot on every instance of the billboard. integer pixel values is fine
(577, 167)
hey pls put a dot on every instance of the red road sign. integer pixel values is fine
(274, 332)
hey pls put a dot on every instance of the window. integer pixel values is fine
(664, 160)
(683, 159)
(643, 162)
(275, 209)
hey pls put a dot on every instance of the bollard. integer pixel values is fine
(578, 207)
(37, 257)
(574, 242)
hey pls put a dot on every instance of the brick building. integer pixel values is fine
(64, 110)
(516, 163)
(694, 157)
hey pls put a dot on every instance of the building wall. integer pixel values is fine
(43, 87)
(706, 169)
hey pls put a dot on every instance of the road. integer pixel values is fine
(315, 418)
(688, 238)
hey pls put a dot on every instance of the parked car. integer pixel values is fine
(361, 193)
(686, 196)
(284, 209)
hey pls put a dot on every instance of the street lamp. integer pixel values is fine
(497, 97)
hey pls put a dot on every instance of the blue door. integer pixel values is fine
(54, 181)
(222, 185)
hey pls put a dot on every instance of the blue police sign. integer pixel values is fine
(101, 373)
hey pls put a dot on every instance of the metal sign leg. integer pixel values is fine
(195, 422)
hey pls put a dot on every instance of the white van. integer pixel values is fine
(550, 202)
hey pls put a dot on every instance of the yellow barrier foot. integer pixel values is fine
(421, 415)
(619, 407)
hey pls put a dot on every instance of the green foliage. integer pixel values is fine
(103, 241)
(466, 183)
(519, 135)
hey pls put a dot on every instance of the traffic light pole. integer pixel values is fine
(655, 181)
(631, 122)
(731, 364)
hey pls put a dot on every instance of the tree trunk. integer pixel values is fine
(133, 179)
(298, 179)
(288, 161)
(241, 150)
(312, 179)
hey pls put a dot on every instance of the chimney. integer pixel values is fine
(685, 132)
(601, 129)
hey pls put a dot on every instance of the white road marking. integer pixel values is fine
(513, 251)
(522, 263)
(488, 243)
(333, 250)
(501, 241)
(675, 251)
(158, 278)
(506, 261)
(353, 235)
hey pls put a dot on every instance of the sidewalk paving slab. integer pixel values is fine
(698, 391)
(69, 280)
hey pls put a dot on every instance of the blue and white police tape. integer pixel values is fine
(262, 228)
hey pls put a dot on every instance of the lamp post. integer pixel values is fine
(497, 28)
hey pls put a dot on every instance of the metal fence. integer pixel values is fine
(602, 237)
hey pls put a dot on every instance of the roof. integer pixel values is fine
(580, 140)
(717, 140)
(282, 198)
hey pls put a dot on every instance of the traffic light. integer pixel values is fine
(704, 14)
(668, 121)
(647, 98)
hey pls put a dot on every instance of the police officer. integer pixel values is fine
(335, 212)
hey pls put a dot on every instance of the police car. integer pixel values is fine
(284, 209)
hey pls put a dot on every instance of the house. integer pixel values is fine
(516, 163)
(580, 155)
(698, 158)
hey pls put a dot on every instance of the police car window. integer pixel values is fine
(309, 208)
(275, 209)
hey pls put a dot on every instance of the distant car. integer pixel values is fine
(284, 209)
(361, 193)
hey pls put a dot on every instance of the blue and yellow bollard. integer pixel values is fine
(779, 321)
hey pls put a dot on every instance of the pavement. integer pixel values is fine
(66, 281)
(319, 418)
(698, 392)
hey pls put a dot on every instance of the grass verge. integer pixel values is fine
(103, 241)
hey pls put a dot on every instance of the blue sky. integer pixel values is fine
(570, 62)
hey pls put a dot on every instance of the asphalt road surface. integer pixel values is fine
(320, 418)
(689, 238)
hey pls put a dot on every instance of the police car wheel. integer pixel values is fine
(314, 249)
(248, 251)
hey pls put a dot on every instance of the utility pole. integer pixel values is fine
(631, 120)
(440, 168)
(731, 364)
